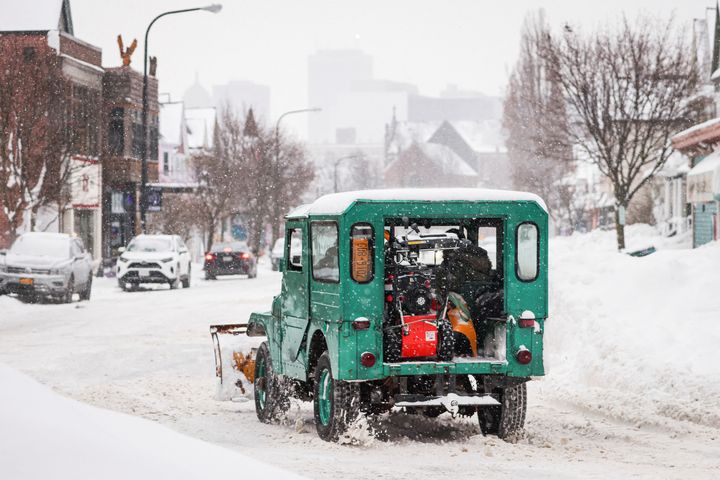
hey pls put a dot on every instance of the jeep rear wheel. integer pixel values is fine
(507, 419)
(336, 403)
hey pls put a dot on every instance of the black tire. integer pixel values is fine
(333, 420)
(446, 341)
(68, 295)
(87, 291)
(186, 280)
(210, 276)
(507, 419)
(270, 407)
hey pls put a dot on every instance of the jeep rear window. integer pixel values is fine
(526, 252)
(325, 262)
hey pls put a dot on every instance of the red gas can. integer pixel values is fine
(419, 336)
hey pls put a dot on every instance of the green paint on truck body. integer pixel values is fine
(309, 312)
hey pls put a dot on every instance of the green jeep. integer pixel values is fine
(430, 300)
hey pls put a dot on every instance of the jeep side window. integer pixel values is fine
(526, 252)
(293, 242)
(325, 261)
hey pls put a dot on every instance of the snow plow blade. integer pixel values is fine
(228, 361)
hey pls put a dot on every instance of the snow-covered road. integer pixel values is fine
(149, 354)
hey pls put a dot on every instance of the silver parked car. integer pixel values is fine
(47, 265)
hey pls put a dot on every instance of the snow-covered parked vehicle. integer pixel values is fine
(47, 265)
(389, 300)
(154, 259)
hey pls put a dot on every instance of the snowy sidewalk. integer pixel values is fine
(45, 435)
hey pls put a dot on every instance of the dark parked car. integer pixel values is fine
(230, 258)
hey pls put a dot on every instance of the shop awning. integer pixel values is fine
(703, 181)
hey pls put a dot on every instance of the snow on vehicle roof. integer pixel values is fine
(336, 203)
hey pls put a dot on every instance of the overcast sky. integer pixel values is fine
(430, 43)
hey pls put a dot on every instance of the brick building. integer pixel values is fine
(88, 133)
(122, 110)
(61, 77)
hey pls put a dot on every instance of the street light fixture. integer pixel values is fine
(214, 8)
(277, 128)
(335, 169)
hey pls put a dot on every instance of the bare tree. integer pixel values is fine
(245, 174)
(219, 175)
(179, 215)
(34, 134)
(292, 174)
(535, 119)
(626, 90)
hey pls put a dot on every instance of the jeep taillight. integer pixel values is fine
(210, 257)
(527, 319)
(367, 359)
(523, 355)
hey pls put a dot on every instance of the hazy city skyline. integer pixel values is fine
(428, 44)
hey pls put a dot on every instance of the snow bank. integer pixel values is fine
(635, 338)
(45, 435)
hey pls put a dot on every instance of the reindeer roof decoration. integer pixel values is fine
(126, 53)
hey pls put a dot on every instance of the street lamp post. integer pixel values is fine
(335, 169)
(276, 167)
(277, 128)
(214, 8)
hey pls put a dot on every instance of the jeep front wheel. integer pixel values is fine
(336, 403)
(271, 398)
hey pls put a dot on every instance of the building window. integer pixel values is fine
(116, 132)
(137, 141)
(117, 205)
(166, 162)
(153, 146)
(83, 115)
(29, 54)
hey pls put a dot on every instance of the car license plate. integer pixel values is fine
(26, 281)
(227, 259)
(143, 272)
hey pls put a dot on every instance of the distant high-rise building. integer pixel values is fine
(242, 95)
(355, 105)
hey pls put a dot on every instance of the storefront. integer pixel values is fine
(84, 218)
(703, 192)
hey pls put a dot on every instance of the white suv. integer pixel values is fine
(154, 259)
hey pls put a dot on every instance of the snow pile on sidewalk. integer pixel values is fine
(635, 338)
(44, 435)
